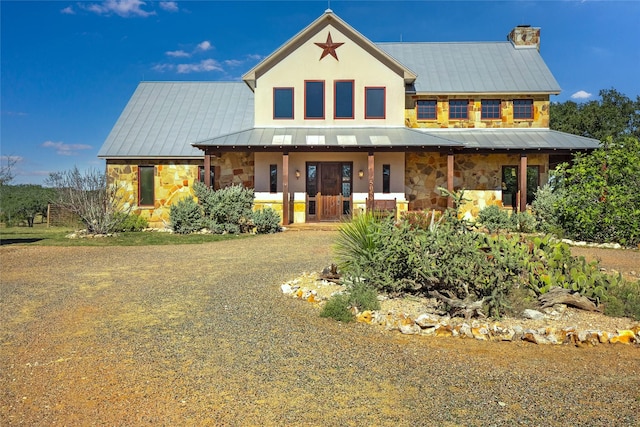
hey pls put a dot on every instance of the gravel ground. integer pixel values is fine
(201, 335)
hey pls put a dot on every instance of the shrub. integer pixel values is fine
(545, 209)
(362, 296)
(623, 300)
(422, 220)
(337, 307)
(228, 209)
(266, 221)
(494, 218)
(185, 216)
(131, 222)
(522, 222)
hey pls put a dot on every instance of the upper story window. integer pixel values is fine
(491, 109)
(374, 101)
(458, 109)
(146, 193)
(314, 99)
(343, 96)
(523, 108)
(426, 109)
(283, 103)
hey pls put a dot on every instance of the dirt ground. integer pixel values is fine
(201, 335)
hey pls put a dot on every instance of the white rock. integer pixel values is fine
(286, 289)
(411, 329)
(532, 314)
(427, 320)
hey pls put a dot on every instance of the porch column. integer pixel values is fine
(370, 172)
(207, 168)
(285, 188)
(522, 185)
(450, 165)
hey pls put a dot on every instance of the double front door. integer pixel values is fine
(329, 188)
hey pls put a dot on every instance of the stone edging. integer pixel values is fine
(428, 324)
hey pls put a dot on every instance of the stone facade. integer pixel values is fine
(174, 180)
(480, 175)
(540, 113)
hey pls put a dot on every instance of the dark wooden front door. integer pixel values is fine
(328, 190)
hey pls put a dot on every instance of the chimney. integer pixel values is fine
(525, 36)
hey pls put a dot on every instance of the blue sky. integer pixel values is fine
(68, 68)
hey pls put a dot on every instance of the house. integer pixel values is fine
(332, 124)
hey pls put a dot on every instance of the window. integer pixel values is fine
(426, 109)
(201, 174)
(374, 101)
(491, 109)
(344, 99)
(510, 188)
(458, 109)
(283, 103)
(146, 185)
(523, 109)
(314, 100)
(386, 178)
(273, 178)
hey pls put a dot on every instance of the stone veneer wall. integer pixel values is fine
(480, 175)
(174, 180)
(540, 114)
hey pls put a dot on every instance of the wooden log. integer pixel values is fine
(468, 307)
(557, 295)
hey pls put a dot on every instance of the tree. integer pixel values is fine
(601, 199)
(99, 205)
(6, 170)
(24, 202)
(615, 115)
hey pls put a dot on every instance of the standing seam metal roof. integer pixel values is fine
(474, 67)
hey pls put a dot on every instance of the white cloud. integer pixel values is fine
(204, 46)
(169, 6)
(68, 11)
(204, 65)
(178, 54)
(163, 67)
(581, 94)
(66, 149)
(124, 8)
(233, 62)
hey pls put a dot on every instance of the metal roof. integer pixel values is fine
(516, 139)
(344, 137)
(475, 67)
(162, 119)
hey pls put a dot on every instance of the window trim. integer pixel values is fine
(521, 108)
(153, 186)
(492, 101)
(384, 102)
(306, 116)
(435, 109)
(292, 103)
(466, 111)
(335, 99)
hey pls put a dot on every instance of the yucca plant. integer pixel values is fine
(357, 242)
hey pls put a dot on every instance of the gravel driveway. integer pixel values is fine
(201, 335)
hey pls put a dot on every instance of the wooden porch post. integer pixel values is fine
(450, 166)
(370, 171)
(207, 168)
(523, 182)
(285, 188)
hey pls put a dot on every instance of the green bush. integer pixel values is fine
(522, 222)
(545, 209)
(266, 221)
(623, 300)
(363, 296)
(185, 216)
(226, 210)
(421, 220)
(494, 218)
(131, 222)
(337, 307)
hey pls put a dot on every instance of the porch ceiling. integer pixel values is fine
(342, 137)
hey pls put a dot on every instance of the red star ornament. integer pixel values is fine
(329, 47)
